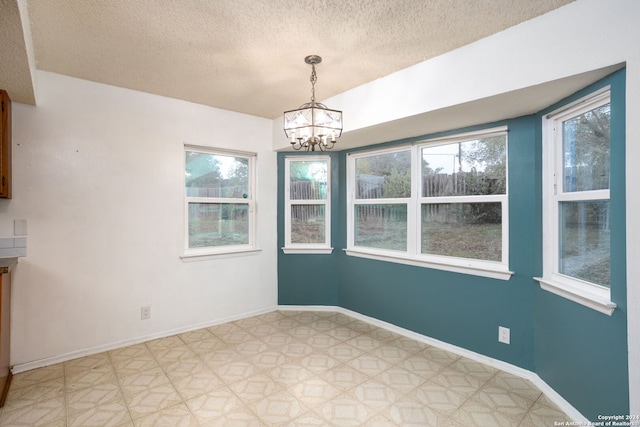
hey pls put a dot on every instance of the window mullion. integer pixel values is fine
(463, 199)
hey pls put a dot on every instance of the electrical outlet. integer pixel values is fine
(145, 312)
(504, 335)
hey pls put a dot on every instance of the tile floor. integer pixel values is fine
(283, 368)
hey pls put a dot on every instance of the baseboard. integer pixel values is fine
(23, 367)
(549, 392)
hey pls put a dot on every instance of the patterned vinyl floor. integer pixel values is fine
(284, 368)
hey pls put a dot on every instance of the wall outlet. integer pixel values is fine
(504, 335)
(145, 312)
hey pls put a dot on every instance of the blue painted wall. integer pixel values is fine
(581, 353)
(305, 279)
(461, 309)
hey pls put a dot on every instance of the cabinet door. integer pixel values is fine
(5, 146)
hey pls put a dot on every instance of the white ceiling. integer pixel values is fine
(239, 55)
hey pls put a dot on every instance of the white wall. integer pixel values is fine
(495, 72)
(98, 174)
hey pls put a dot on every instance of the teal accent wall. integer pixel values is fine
(461, 309)
(308, 279)
(579, 352)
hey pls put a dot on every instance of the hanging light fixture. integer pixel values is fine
(313, 125)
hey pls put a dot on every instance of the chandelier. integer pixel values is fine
(313, 125)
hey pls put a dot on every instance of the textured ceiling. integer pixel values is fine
(246, 55)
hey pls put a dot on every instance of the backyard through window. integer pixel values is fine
(466, 175)
(583, 205)
(307, 202)
(382, 178)
(218, 197)
(456, 209)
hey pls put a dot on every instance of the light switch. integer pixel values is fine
(20, 227)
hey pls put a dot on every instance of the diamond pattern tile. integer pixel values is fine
(283, 368)
(255, 388)
(408, 412)
(192, 377)
(101, 405)
(132, 359)
(214, 406)
(174, 416)
(39, 413)
(148, 391)
(278, 408)
(345, 411)
(39, 392)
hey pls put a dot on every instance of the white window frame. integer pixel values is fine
(250, 201)
(413, 255)
(582, 292)
(306, 248)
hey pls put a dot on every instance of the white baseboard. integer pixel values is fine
(549, 392)
(22, 367)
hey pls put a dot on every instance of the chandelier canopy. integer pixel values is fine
(313, 125)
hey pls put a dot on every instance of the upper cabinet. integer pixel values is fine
(5, 146)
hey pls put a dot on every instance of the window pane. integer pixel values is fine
(215, 175)
(218, 224)
(586, 150)
(308, 180)
(381, 226)
(466, 230)
(384, 176)
(476, 167)
(584, 241)
(307, 224)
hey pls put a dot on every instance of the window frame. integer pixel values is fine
(306, 248)
(589, 294)
(413, 256)
(250, 201)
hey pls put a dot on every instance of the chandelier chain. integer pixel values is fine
(313, 79)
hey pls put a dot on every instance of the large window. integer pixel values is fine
(307, 205)
(576, 261)
(219, 201)
(438, 203)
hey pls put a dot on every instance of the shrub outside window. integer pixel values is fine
(438, 203)
(382, 194)
(307, 204)
(219, 201)
(576, 259)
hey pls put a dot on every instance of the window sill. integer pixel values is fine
(493, 272)
(307, 250)
(594, 298)
(204, 256)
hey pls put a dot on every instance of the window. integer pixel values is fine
(438, 203)
(307, 205)
(576, 150)
(219, 201)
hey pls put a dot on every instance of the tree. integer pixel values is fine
(586, 150)
(393, 168)
(202, 172)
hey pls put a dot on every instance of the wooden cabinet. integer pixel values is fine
(6, 265)
(5, 146)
